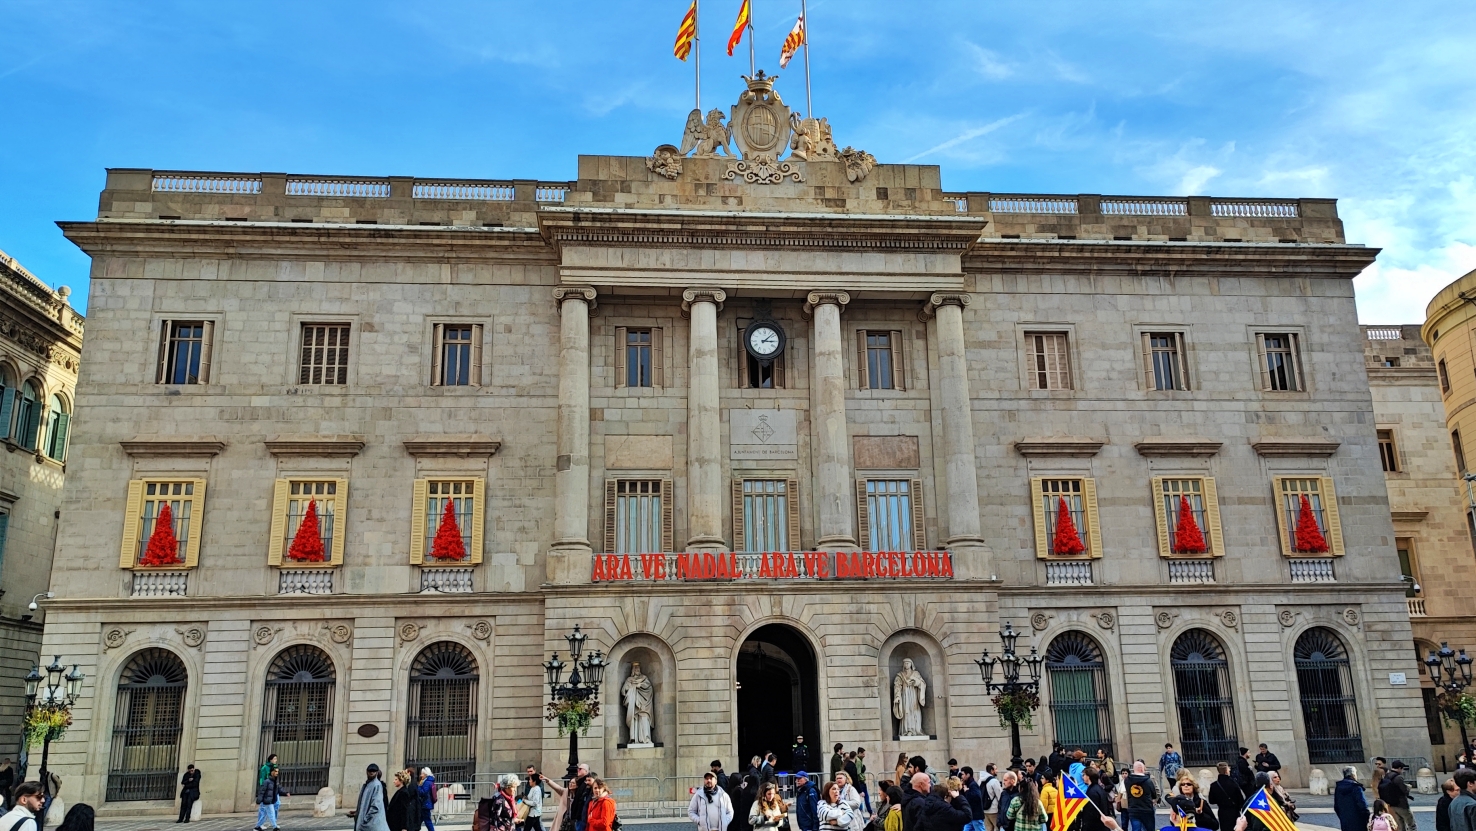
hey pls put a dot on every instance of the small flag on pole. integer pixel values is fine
(793, 42)
(745, 14)
(686, 33)
(1265, 809)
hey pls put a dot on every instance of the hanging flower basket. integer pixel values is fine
(1018, 707)
(46, 723)
(573, 715)
(1459, 708)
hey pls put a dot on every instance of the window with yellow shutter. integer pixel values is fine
(290, 507)
(1079, 495)
(1170, 493)
(146, 501)
(1322, 501)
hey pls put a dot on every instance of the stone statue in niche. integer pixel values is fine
(638, 695)
(909, 697)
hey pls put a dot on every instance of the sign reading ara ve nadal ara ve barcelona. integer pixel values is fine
(777, 565)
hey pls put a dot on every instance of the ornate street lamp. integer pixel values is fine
(1014, 699)
(575, 703)
(49, 712)
(1452, 674)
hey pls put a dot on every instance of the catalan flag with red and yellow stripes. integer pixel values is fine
(793, 42)
(1069, 801)
(686, 33)
(745, 16)
(1265, 809)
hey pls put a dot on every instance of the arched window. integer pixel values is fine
(57, 422)
(297, 717)
(442, 726)
(1077, 679)
(1329, 708)
(147, 723)
(9, 392)
(28, 415)
(1202, 695)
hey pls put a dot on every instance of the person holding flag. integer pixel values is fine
(1070, 800)
(1188, 808)
(1262, 811)
(1099, 796)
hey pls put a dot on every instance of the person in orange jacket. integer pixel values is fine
(601, 808)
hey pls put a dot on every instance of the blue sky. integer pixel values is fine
(1373, 103)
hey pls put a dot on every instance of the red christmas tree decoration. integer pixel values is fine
(1068, 540)
(448, 545)
(1188, 539)
(163, 548)
(1309, 537)
(307, 543)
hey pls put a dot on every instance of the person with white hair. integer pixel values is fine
(499, 811)
(427, 798)
(1348, 801)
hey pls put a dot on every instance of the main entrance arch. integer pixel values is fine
(778, 695)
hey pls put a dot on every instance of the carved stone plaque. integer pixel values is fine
(763, 434)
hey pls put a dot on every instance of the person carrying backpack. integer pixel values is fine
(1381, 819)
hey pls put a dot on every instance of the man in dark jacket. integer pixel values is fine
(1448, 793)
(806, 803)
(913, 797)
(837, 760)
(1101, 818)
(1227, 797)
(1462, 809)
(1395, 793)
(799, 754)
(943, 810)
(1266, 761)
(1009, 786)
(1348, 802)
(189, 792)
(1245, 775)
(1142, 794)
(973, 795)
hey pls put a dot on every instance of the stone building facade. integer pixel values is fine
(567, 367)
(40, 349)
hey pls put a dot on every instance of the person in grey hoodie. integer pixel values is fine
(710, 808)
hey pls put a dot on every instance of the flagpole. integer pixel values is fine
(697, 47)
(809, 107)
(751, 71)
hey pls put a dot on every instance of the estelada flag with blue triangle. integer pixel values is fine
(1265, 809)
(1069, 802)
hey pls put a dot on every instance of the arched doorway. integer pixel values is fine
(297, 717)
(442, 719)
(1329, 708)
(778, 695)
(1202, 695)
(1077, 680)
(147, 722)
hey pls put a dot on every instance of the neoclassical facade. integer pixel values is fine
(767, 439)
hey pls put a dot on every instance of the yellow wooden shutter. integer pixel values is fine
(1263, 365)
(197, 519)
(919, 518)
(863, 380)
(609, 516)
(278, 528)
(1278, 499)
(658, 359)
(792, 488)
(476, 354)
(738, 541)
(668, 529)
(863, 517)
(438, 344)
(1330, 511)
(340, 521)
(1160, 517)
(620, 356)
(207, 340)
(1037, 507)
(479, 518)
(418, 495)
(899, 363)
(132, 512)
(162, 372)
(1094, 527)
(1212, 517)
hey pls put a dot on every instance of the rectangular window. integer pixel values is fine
(1079, 495)
(1169, 495)
(146, 501)
(1460, 450)
(638, 357)
(1391, 363)
(761, 376)
(184, 352)
(457, 360)
(1322, 503)
(1050, 360)
(767, 514)
(1388, 455)
(1444, 376)
(879, 360)
(891, 514)
(430, 519)
(290, 501)
(1408, 566)
(638, 516)
(4, 529)
(1281, 362)
(1164, 356)
(325, 354)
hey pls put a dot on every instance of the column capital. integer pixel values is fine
(821, 298)
(714, 296)
(585, 293)
(943, 298)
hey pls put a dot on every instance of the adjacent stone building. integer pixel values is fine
(767, 428)
(40, 349)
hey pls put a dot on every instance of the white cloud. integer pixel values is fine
(988, 62)
(1195, 178)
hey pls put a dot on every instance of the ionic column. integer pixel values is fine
(961, 483)
(569, 560)
(835, 518)
(705, 489)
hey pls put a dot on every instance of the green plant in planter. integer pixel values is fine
(573, 715)
(1018, 707)
(46, 723)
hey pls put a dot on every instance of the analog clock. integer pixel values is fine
(764, 340)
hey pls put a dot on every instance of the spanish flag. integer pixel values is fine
(793, 42)
(686, 33)
(744, 18)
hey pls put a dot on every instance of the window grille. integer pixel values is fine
(147, 722)
(1203, 698)
(765, 507)
(1281, 362)
(639, 516)
(297, 718)
(1387, 455)
(442, 717)
(325, 354)
(891, 515)
(1077, 679)
(184, 353)
(1050, 361)
(1329, 706)
(458, 355)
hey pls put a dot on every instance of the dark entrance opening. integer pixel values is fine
(778, 697)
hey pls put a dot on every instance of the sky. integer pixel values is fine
(1371, 103)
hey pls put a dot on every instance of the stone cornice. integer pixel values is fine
(1077, 446)
(314, 445)
(1409, 516)
(1403, 375)
(162, 446)
(460, 446)
(930, 308)
(1162, 446)
(1167, 259)
(1296, 447)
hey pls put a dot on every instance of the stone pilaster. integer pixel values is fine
(835, 517)
(704, 430)
(569, 558)
(971, 555)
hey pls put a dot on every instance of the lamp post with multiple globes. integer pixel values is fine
(1012, 686)
(585, 675)
(1452, 673)
(59, 693)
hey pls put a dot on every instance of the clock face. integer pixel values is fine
(763, 341)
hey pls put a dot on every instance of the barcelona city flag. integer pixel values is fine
(686, 33)
(1265, 809)
(745, 16)
(1069, 801)
(793, 42)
